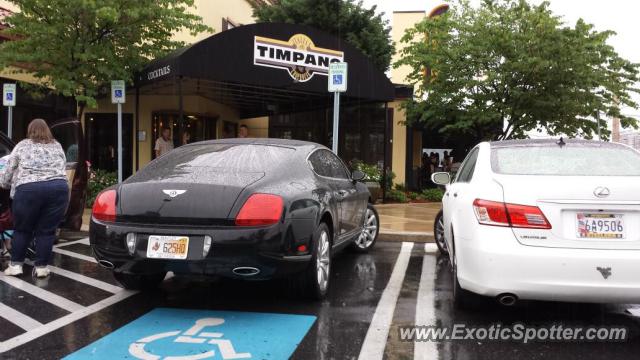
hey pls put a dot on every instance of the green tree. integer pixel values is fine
(349, 20)
(76, 47)
(509, 67)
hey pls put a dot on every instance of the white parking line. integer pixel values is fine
(63, 321)
(425, 314)
(376, 338)
(45, 295)
(84, 241)
(430, 248)
(18, 318)
(75, 255)
(634, 311)
(83, 279)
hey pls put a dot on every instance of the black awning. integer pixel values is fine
(266, 61)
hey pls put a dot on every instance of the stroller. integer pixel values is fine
(6, 223)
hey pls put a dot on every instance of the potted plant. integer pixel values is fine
(372, 178)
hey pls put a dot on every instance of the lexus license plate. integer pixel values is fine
(600, 225)
(167, 247)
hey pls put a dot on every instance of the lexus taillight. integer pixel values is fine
(512, 215)
(260, 210)
(104, 207)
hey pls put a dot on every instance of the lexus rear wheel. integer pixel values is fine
(438, 234)
(370, 230)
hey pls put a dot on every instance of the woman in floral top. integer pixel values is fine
(36, 175)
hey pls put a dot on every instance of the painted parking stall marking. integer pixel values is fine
(167, 333)
(56, 293)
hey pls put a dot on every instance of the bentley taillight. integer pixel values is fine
(104, 207)
(260, 210)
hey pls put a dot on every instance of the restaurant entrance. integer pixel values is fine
(195, 128)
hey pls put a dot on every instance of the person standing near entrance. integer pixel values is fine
(186, 138)
(164, 144)
(36, 175)
(243, 132)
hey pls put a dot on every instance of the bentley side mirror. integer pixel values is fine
(441, 178)
(357, 175)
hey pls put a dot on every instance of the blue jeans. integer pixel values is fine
(38, 208)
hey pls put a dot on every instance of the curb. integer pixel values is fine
(409, 236)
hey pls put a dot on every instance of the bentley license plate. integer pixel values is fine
(167, 247)
(600, 225)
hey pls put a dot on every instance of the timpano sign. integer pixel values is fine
(298, 56)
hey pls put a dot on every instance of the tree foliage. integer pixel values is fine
(76, 47)
(346, 19)
(509, 67)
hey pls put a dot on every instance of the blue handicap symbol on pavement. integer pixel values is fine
(337, 79)
(118, 93)
(201, 334)
(9, 96)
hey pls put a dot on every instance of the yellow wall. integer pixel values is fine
(399, 144)
(401, 22)
(212, 13)
(8, 5)
(14, 73)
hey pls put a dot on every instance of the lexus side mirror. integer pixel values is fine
(357, 175)
(441, 178)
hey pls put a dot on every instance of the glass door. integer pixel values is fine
(196, 128)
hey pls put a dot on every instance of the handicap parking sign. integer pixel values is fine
(9, 97)
(166, 333)
(337, 79)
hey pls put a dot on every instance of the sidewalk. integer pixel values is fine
(407, 222)
(398, 222)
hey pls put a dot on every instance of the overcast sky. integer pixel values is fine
(621, 16)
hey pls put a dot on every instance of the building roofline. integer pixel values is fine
(410, 12)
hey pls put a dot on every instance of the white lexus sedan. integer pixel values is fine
(544, 220)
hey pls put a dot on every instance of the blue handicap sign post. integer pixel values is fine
(202, 334)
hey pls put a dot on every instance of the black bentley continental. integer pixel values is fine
(240, 208)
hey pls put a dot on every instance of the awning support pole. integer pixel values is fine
(180, 111)
(386, 145)
(137, 127)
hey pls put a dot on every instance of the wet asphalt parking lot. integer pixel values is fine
(81, 312)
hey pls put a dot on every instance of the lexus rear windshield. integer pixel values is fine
(572, 159)
(224, 157)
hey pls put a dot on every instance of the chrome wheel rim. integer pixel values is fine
(439, 235)
(323, 261)
(369, 230)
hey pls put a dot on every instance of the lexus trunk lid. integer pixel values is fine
(588, 191)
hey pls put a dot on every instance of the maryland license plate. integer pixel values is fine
(605, 226)
(167, 247)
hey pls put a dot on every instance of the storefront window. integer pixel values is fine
(361, 130)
